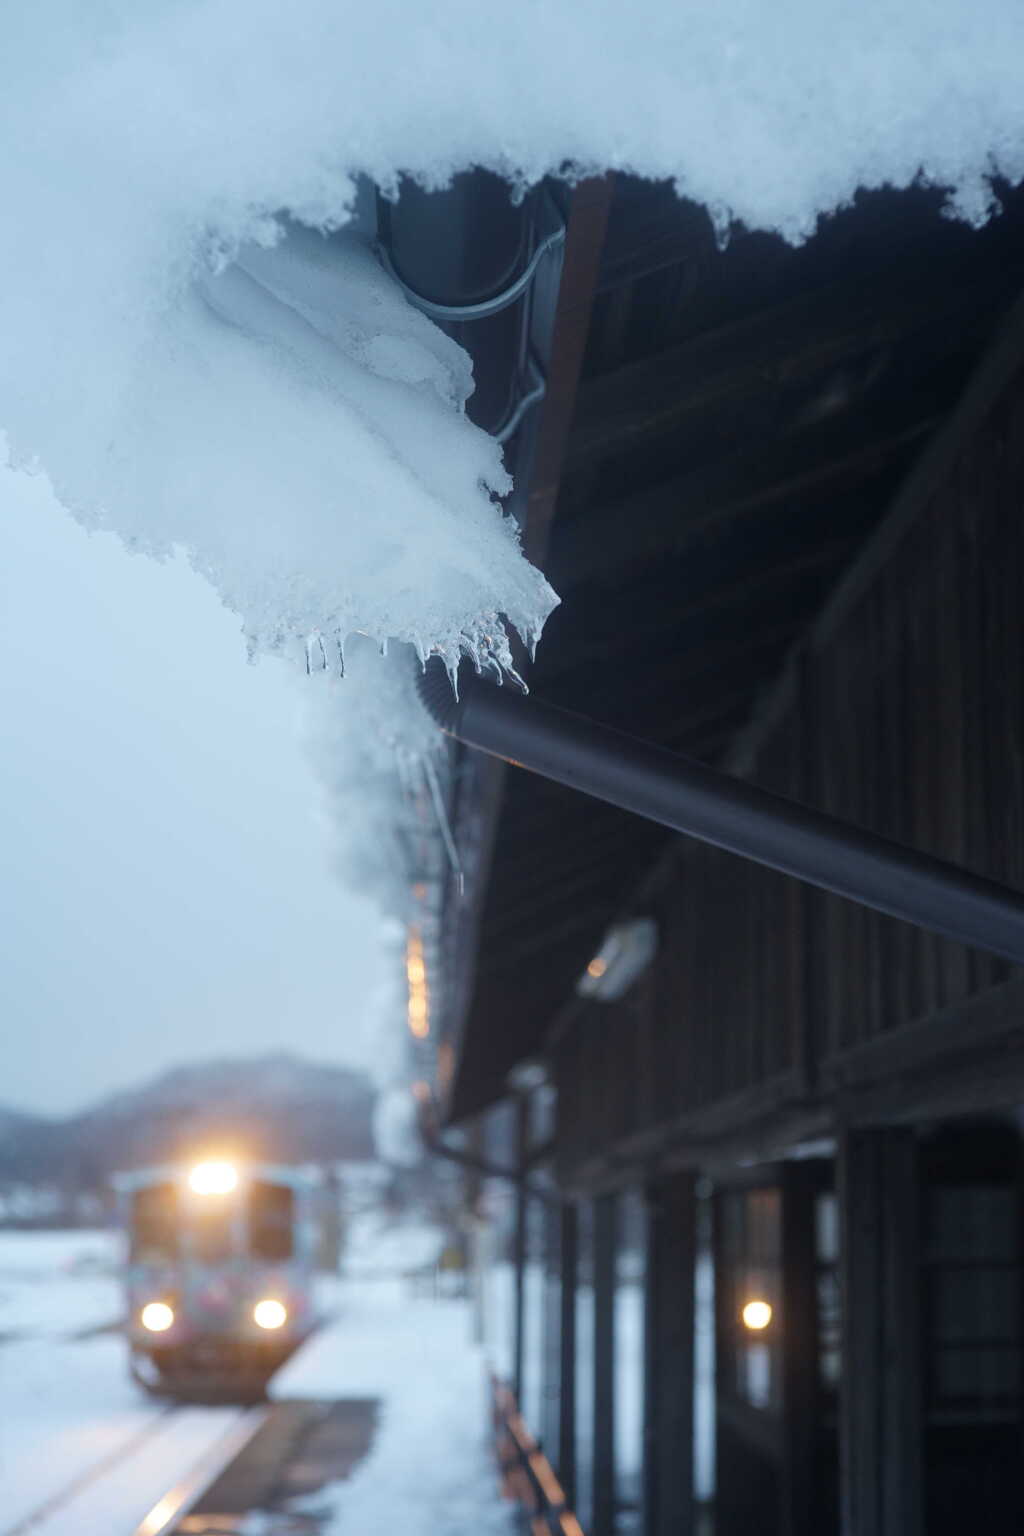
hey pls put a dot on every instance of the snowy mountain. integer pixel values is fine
(278, 1107)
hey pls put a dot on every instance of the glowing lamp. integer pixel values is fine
(269, 1314)
(757, 1315)
(213, 1178)
(157, 1316)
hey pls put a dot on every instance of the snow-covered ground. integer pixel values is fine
(68, 1408)
(81, 1450)
(430, 1472)
(58, 1283)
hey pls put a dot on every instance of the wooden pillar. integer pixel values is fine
(802, 1446)
(519, 1250)
(881, 1417)
(567, 1355)
(603, 1516)
(671, 1268)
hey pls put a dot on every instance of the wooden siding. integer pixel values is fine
(905, 714)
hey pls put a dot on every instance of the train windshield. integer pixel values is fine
(211, 1223)
(154, 1225)
(271, 1220)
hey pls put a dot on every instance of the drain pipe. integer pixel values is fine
(434, 1143)
(730, 813)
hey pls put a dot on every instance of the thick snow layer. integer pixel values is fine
(58, 1284)
(429, 1472)
(69, 1415)
(283, 414)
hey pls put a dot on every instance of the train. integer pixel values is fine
(219, 1274)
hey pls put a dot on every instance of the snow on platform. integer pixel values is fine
(83, 1453)
(430, 1471)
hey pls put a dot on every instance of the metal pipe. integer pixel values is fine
(730, 813)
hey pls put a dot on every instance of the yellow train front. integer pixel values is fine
(219, 1275)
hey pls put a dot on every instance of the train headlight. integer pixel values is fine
(213, 1178)
(157, 1316)
(270, 1314)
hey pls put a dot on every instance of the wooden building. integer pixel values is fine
(780, 492)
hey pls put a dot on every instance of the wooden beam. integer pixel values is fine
(881, 1427)
(519, 1247)
(642, 620)
(567, 1352)
(587, 222)
(801, 1404)
(671, 1265)
(782, 347)
(670, 674)
(603, 1407)
(995, 372)
(667, 520)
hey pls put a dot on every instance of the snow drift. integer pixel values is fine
(276, 408)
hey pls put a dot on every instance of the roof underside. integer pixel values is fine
(743, 422)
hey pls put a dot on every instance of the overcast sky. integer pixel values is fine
(165, 891)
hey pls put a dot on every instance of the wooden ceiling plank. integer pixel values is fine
(668, 519)
(791, 341)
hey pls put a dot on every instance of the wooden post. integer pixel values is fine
(671, 1265)
(603, 1516)
(801, 1446)
(567, 1356)
(881, 1418)
(519, 1254)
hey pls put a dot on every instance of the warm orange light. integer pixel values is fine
(157, 1316)
(419, 998)
(159, 1516)
(215, 1178)
(757, 1315)
(270, 1313)
(597, 967)
(549, 1484)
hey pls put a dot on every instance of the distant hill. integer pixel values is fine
(278, 1107)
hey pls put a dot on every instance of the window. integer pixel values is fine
(630, 1288)
(549, 1425)
(750, 1315)
(532, 1388)
(585, 1363)
(826, 1270)
(974, 1302)
(154, 1225)
(271, 1221)
(210, 1231)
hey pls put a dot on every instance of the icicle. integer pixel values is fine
(316, 655)
(444, 824)
(721, 222)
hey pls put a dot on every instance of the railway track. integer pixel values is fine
(113, 1496)
(214, 1465)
